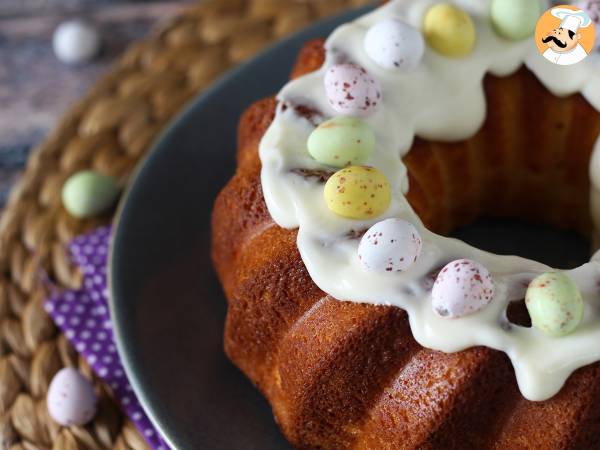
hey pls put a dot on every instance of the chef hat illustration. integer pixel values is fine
(572, 19)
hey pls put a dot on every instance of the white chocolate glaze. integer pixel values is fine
(443, 99)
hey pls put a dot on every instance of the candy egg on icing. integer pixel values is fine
(461, 288)
(351, 90)
(71, 399)
(342, 141)
(394, 44)
(515, 19)
(392, 245)
(554, 304)
(358, 192)
(449, 30)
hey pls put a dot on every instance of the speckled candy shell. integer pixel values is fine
(461, 288)
(351, 90)
(395, 45)
(358, 192)
(391, 245)
(554, 304)
(71, 398)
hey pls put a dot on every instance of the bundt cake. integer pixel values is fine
(358, 320)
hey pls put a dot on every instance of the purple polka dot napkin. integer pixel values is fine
(84, 319)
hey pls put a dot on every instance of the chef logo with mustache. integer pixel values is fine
(565, 35)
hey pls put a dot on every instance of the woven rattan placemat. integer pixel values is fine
(110, 129)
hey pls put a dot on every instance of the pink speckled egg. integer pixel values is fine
(461, 288)
(351, 90)
(391, 245)
(71, 398)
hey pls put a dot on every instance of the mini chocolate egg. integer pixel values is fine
(342, 141)
(358, 192)
(88, 193)
(461, 288)
(392, 245)
(449, 30)
(71, 398)
(554, 304)
(515, 19)
(394, 44)
(75, 42)
(351, 90)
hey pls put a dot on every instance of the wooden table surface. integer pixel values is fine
(35, 88)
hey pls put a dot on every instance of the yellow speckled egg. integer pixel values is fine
(449, 30)
(358, 192)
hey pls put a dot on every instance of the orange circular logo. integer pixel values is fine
(565, 35)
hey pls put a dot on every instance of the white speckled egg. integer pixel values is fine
(351, 90)
(395, 45)
(461, 288)
(75, 42)
(391, 245)
(71, 398)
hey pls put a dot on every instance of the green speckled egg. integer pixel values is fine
(88, 193)
(516, 19)
(341, 142)
(358, 192)
(554, 304)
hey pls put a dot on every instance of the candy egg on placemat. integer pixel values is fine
(358, 192)
(449, 30)
(515, 19)
(394, 44)
(342, 141)
(88, 193)
(76, 42)
(461, 288)
(71, 398)
(351, 90)
(391, 245)
(554, 304)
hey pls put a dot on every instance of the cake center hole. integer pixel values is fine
(561, 249)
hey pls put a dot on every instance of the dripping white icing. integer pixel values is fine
(442, 99)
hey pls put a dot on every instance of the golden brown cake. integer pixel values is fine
(341, 374)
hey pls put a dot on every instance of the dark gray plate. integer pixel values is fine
(167, 305)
